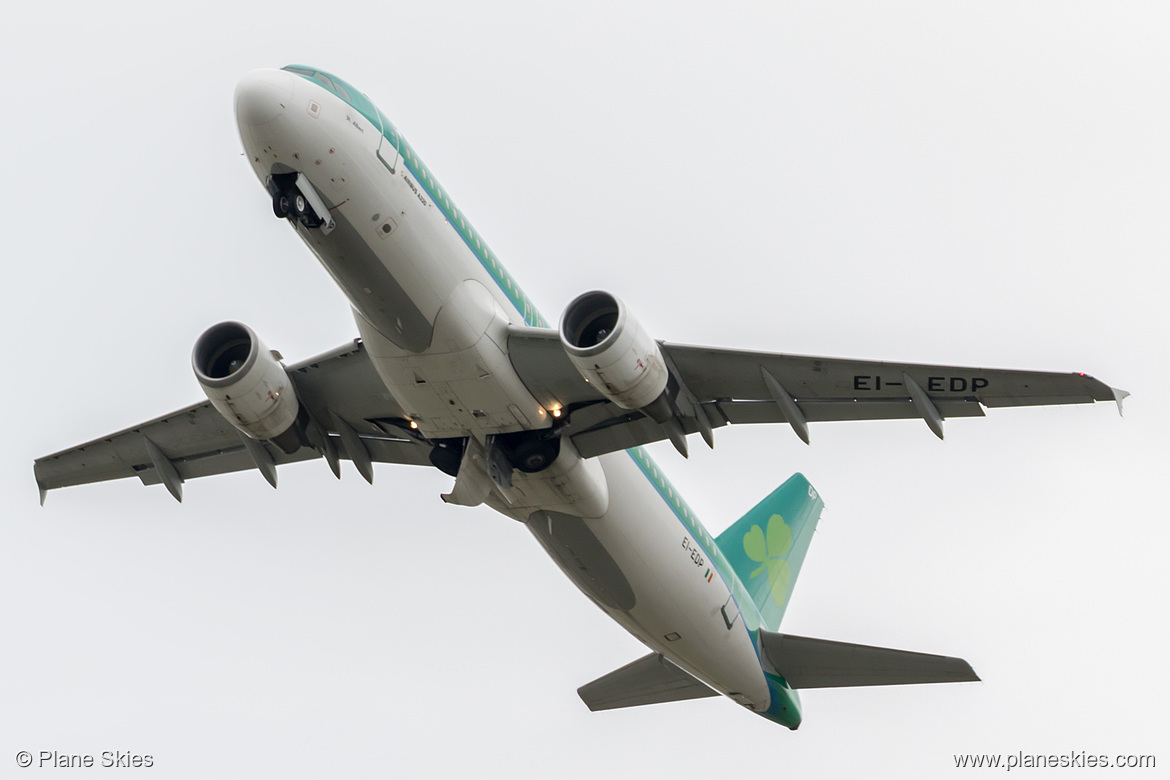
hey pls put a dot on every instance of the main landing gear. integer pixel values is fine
(526, 451)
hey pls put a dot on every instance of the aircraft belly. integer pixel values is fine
(464, 382)
(420, 252)
(573, 546)
(371, 287)
(676, 609)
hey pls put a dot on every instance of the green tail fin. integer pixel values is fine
(766, 546)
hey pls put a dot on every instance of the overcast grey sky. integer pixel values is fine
(970, 183)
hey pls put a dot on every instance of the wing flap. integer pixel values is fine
(840, 410)
(400, 451)
(821, 663)
(650, 680)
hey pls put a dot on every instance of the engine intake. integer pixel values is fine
(247, 384)
(615, 354)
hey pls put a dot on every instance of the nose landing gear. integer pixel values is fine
(280, 205)
(295, 199)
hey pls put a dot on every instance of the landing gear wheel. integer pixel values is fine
(298, 206)
(280, 205)
(280, 185)
(531, 455)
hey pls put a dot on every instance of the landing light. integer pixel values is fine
(413, 424)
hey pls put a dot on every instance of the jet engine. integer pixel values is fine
(247, 384)
(615, 354)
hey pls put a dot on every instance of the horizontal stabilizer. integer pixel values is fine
(650, 680)
(820, 663)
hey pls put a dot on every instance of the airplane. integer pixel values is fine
(455, 369)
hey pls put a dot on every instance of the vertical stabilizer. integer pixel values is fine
(766, 546)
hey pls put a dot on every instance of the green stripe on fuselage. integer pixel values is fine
(422, 175)
(748, 611)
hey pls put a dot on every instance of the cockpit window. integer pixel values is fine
(336, 86)
(333, 86)
(341, 93)
(349, 94)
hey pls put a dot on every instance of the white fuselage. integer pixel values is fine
(433, 307)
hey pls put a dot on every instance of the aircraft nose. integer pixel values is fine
(262, 96)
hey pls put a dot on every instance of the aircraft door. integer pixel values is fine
(388, 147)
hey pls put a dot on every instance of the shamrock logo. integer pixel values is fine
(769, 552)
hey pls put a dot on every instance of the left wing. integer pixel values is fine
(339, 390)
(714, 387)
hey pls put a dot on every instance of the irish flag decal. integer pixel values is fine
(709, 575)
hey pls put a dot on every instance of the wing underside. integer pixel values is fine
(353, 415)
(340, 389)
(737, 387)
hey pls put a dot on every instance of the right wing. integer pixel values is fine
(339, 389)
(717, 387)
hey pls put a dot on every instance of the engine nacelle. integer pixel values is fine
(246, 384)
(612, 351)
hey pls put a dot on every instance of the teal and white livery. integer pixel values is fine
(455, 369)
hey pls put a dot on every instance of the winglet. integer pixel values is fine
(1119, 396)
(44, 491)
